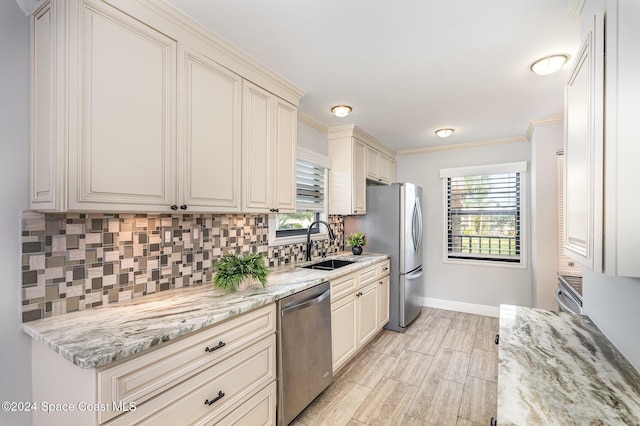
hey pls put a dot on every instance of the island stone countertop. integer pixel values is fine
(99, 336)
(560, 369)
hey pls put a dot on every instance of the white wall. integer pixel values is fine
(480, 286)
(312, 139)
(15, 347)
(613, 304)
(545, 142)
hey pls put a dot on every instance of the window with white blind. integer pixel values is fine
(311, 184)
(484, 207)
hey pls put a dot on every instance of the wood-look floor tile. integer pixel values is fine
(442, 313)
(336, 405)
(412, 421)
(353, 422)
(427, 341)
(484, 365)
(479, 401)
(387, 403)
(465, 422)
(437, 401)
(450, 365)
(410, 367)
(465, 322)
(368, 369)
(485, 340)
(489, 324)
(388, 342)
(459, 340)
(435, 323)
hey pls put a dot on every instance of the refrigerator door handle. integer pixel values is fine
(419, 210)
(415, 274)
(415, 230)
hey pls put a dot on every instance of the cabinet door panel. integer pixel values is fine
(372, 164)
(212, 136)
(343, 330)
(359, 190)
(367, 313)
(127, 126)
(383, 301)
(286, 155)
(583, 152)
(384, 171)
(257, 137)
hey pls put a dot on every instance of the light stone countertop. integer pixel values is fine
(560, 369)
(109, 333)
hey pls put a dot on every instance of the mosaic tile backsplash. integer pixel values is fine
(74, 262)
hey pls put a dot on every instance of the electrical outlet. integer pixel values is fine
(167, 237)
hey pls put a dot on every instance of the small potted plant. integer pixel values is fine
(235, 272)
(357, 240)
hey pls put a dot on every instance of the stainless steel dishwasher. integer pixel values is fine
(304, 349)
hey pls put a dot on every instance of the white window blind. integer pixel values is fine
(310, 187)
(484, 216)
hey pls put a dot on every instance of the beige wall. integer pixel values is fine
(15, 349)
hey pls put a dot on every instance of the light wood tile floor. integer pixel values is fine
(442, 371)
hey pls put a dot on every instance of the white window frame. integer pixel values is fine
(319, 160)
(490, 169)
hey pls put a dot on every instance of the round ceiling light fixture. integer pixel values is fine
(549, 64)
(444, 133)
(341, 110)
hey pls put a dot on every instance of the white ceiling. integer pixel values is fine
(407, 67)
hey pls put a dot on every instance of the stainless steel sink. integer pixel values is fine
(329, 265)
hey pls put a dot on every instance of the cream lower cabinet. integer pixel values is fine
(269, 152)
(358, 310)
(225, 374)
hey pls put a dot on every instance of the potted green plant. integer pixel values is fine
(235, 272)
(356, 241)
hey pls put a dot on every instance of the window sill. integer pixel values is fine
(494, 264)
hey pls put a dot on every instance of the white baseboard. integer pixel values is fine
(469, 308)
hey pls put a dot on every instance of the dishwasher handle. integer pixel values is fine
(306, 304)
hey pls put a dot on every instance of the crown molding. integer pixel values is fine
(260, 72)
(554, 119)
(462, 145)
(351, 130)
(313, 123)
(574, 7)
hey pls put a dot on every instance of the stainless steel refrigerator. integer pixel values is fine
(393, 224)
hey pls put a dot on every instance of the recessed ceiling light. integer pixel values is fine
(341, 110)
(444, 133)
(549, 64)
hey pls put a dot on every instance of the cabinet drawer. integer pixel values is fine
(367, 275)
(231, 381)
(343, 285)
(142, 378)
(259, 410)
(382, 269)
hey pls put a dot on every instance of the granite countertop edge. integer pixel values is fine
(97, 337)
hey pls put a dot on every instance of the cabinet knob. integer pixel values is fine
(174, 207)
(497, 341)
(183, 207)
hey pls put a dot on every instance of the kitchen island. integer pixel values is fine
(560, 369)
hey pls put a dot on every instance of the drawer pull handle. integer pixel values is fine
(497, 341)
(385, 269)
(220, 395)
(218, 346)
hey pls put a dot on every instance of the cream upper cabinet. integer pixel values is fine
(583, 199)
(356, 157)
(137, 108)
(269, 152)
(347, 176)
(379, 167)
(210, 135)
